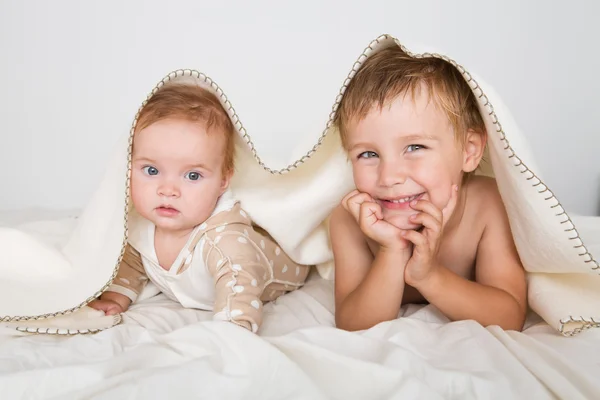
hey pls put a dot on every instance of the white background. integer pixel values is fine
(73, 73)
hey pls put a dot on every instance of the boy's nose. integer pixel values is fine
(391, 174)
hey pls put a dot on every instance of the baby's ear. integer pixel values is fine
(225, 181)
(473, 149)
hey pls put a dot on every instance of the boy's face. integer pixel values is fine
(402, 152)
(176, 176)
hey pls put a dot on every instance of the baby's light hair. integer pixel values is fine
(191, 103)
(391, 73)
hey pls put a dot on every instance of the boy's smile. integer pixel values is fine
(401, 202)
(403, 152)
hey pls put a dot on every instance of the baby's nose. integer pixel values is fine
(168, 189)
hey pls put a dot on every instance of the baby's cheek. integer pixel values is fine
(140, 193)
(199, 204)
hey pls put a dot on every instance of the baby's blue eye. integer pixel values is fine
(150, 170)
(193, 176)
(367, 154)
(414, 147)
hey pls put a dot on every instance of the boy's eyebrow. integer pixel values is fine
(361, 144)
(408, 138)
(419, 136)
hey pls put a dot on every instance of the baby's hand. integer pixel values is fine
(369, 217)
(111, 303)
(108, 306)
(423, 262)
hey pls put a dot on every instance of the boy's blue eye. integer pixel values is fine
(193, 176)
(150, 170)
(414, 147)
(367, 154)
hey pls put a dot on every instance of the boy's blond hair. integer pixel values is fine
(391, 73)
(191, 103)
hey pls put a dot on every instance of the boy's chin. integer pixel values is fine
(402, 222)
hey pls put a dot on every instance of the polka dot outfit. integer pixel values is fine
(247, 266)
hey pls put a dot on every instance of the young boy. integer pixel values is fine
(186, 233)
(420, 227)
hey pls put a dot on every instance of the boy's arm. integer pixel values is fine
(499, 297)
(367, 290)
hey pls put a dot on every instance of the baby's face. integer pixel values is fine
(176, 176)
(402, 152)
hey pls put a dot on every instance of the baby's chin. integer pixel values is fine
(178, 224)
(166, 224)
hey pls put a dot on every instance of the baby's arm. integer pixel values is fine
(240, 275)
(127, 285)
(368, 290)
(499, 295)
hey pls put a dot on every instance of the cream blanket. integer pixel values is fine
(43, 286)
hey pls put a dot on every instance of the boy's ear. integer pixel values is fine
(473, 149)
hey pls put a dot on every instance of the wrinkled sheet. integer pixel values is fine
(164, 351)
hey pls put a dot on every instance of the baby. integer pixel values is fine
(187, 234)
(420, 226)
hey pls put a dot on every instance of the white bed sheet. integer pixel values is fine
(163, 351)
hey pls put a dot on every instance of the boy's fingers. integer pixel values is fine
(427, 207)
(348, 197)
(354, 203)
(416, 238)
(449, 209)
(370, 212)
(432, 225)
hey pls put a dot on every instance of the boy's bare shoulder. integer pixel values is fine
(484, 198)
(344, 228)
(483, 185)
(341, 219)
(339, 215)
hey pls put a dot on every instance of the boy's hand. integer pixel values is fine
(423, 263)
(369, 217)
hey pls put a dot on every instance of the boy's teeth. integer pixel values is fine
(404, 199)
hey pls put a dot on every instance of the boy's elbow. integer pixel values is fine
(520, 322)
(515, 322)
(513, 312)
(513, 325)
(342, 324)
(348, 322)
